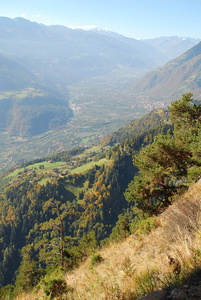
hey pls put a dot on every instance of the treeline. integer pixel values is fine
(66, 155)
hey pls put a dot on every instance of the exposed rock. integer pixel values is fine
(158, 295)
(177, 294)
(187, 292)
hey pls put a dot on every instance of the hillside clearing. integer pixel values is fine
(91, 164)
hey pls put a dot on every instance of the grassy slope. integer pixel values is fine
(36, 166)
(87, 166)
(141, 263)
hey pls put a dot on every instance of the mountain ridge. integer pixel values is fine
(90, 83)
(172, 46)
(49, 58)
(180, 75)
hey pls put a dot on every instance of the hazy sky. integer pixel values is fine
(133, 18)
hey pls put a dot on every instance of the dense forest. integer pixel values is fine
(58, 218)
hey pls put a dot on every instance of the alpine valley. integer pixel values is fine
(100, 165)
(61, 88)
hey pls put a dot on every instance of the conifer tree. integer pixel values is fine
(28, 272)
(54, 240)
(164, 165)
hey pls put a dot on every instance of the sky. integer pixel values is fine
(139, 19)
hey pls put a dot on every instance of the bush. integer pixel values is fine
(144, 226)
(55, 288)
(121, 230)
(96, 259)
(6, 291)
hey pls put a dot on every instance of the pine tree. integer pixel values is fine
(28, 272)
(52, 246)
(164, 165)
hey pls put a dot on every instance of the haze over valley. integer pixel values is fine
(63, 87)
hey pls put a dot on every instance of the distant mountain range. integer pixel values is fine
(50, 75)
(58, 54)
(173, 46)
(180, 75)
(46, 59)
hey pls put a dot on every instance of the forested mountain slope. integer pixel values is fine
(58, 214)
(93, 180)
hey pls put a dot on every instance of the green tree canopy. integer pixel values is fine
(164, 165)
(52, 245)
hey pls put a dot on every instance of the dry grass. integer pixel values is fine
(25, 297)
(143, 263)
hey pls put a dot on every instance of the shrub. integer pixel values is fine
(127, 267)
(144, 226)
(95, 259)
(6, 291)
(55, 288)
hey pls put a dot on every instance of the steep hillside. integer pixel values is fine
(14, 76)
(30, 112)
(28, 105)
(180, 75)
(92, 179)
(161, 257)
(163, 253)
(56, 211)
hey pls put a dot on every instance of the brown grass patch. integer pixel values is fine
(142, 264)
